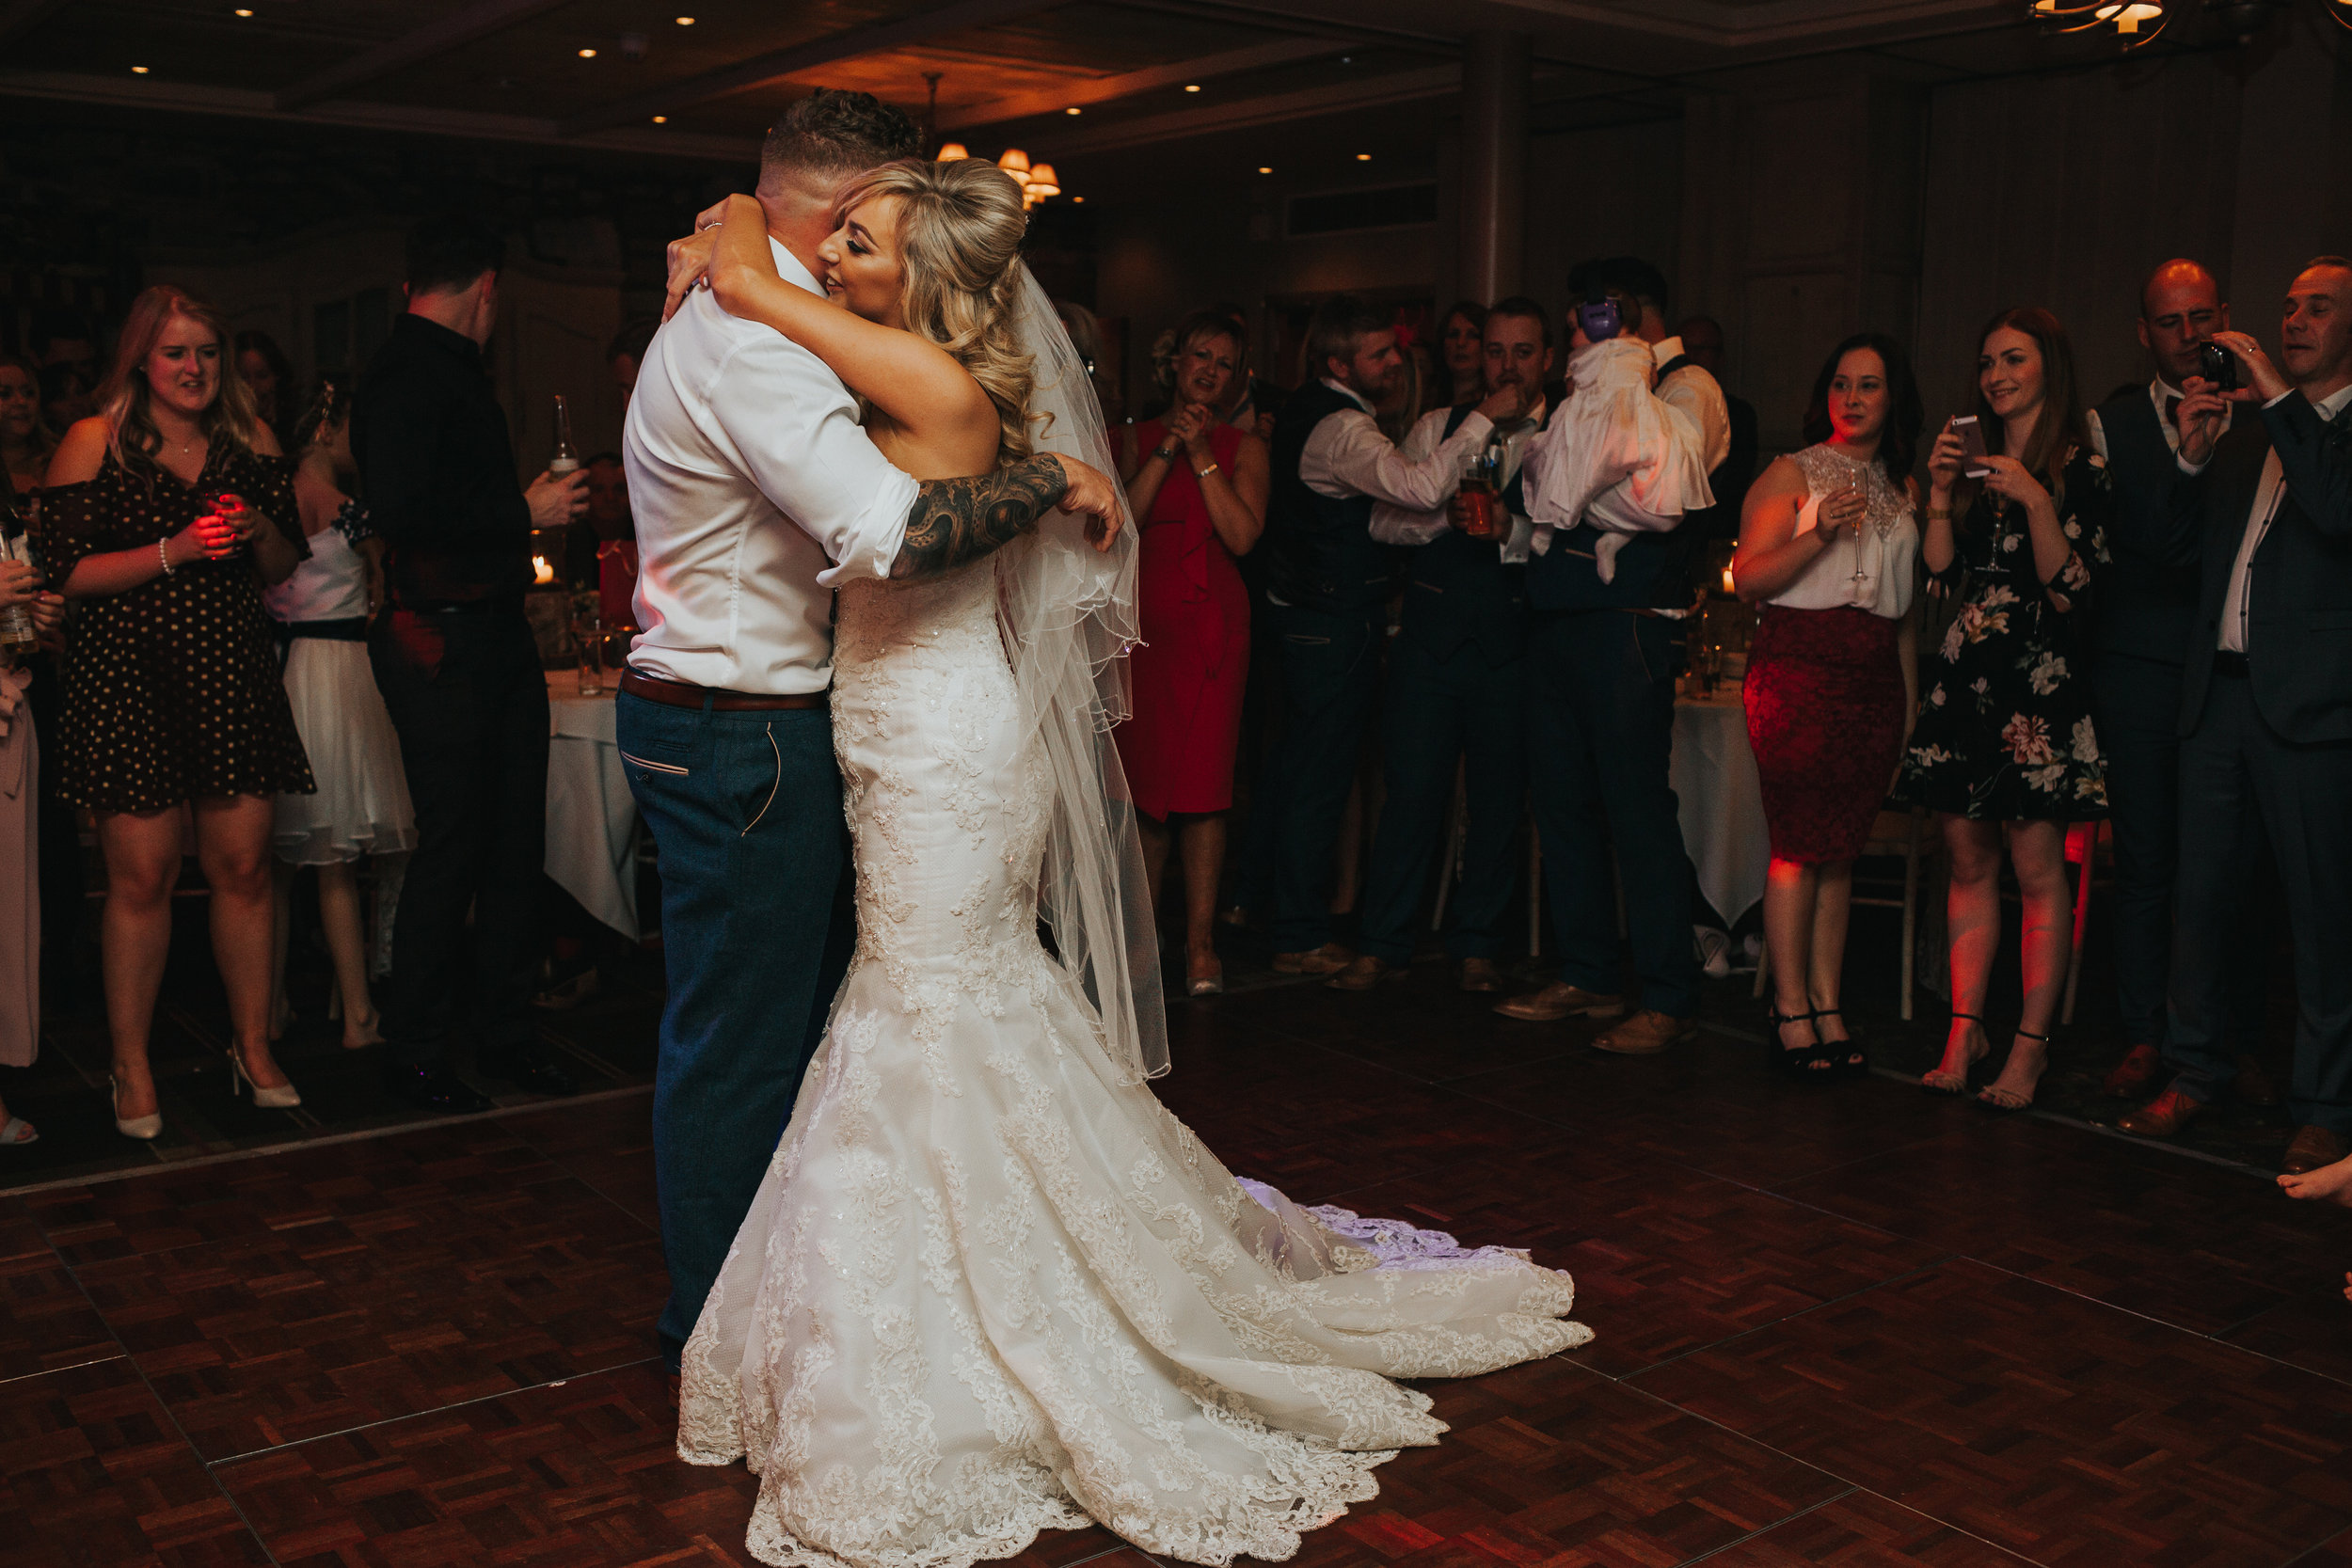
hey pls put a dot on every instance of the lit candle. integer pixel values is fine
(1727, 584)
(542, 572)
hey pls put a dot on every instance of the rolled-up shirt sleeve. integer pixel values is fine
(808, 454)
(1346, 455)
(1392, 523)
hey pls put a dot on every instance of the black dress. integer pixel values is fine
(2005, 732)
(171, 691)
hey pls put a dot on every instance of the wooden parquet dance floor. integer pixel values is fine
(1851, 1326)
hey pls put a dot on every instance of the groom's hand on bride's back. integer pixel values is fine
(1094, 492)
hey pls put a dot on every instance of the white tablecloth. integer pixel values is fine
(592, 817)
(1713, 774)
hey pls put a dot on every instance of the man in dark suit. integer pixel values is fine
(1328, 581)
(2265, 514)
(1703, 346)
(1456, 683)
(2147, 608)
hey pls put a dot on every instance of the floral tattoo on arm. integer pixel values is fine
(957, 521)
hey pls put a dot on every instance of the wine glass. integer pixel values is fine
(587, 625)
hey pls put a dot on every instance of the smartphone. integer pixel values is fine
(1971, 435)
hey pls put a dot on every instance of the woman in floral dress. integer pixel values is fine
(2005, 751)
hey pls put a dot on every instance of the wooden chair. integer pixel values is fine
(1897, 834)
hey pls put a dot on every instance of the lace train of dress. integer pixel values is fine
(986, 1288)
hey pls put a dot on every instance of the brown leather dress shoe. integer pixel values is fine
(1329, 958)
(2161, 1117)
(1645, 1034)
(1478, 975)
(2133, 1074)
(1560, 1000)
(2312, 1148)
(1362, 973)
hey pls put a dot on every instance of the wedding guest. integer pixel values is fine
(166, 514)
(1457, 683)
(1682, 381)
(68, 395)
(613, 533)
(1253, 401)
(269, 376)
(1703, 346)
(1603, 641)
(360, 807)
(1328, 580)
(1462, 340)
(2005, 751)
(459, 671)
(2147, 612)
(1198, 487)
(1829, 549)
(2263, 511)
(61, 336)
(25, 441)
(20, 838)
(627, 351)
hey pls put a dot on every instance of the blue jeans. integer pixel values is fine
(1600, 714)
(1330, 668)
(1438, 711)
(756, 930)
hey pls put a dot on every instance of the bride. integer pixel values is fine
(990, 1286)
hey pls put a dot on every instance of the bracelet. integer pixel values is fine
(1204, 473)
(163, 553)
(1939, 513)
(1166, 455)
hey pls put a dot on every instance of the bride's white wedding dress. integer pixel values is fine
(989, 1287)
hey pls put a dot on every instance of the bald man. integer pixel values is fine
(2146, 611)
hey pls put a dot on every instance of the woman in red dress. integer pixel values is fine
(1828, 549)
(1198, 488)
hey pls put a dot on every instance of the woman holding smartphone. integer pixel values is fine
(2005, 751)
(165, 514)
(1829, 548)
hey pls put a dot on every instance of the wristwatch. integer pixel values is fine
(1166, 455)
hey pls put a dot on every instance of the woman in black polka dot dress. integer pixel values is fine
(164, 516)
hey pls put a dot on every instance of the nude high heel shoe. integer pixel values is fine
(146, 1128)
(284, 1098)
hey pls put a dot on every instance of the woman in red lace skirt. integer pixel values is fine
(1198, 488)
(1829, 549)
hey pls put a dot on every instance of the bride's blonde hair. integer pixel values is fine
(959, 229)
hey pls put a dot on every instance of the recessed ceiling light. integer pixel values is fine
(661, 119)
(244, 10)
(1363, 157)
(1077, 198)
(1265, 168)
(1073, 109)
(686, 22)
(587, 53)
(138, 70)
(1192, 87)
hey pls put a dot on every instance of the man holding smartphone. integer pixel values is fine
(2264, 513)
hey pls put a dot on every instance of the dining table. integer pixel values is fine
(591, 816)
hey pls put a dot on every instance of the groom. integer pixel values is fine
(755, 492)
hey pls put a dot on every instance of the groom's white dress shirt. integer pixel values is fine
(755, 492)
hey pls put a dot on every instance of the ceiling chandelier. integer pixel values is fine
(1037, 181)
(2138, 22)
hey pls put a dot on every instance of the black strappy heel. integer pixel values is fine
(1955, 1090)
(1849, 1057)
(1996, 1105)
(1805, 1062)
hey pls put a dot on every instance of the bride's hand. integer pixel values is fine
(690, 258)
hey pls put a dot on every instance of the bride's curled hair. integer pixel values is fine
(960, 229)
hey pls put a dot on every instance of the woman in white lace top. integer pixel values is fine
(1829, 548)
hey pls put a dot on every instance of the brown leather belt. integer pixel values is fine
(683, 694)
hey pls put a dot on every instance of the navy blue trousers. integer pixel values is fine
(2240, 779)
(1437, 711)
(1600, 711)
(756, 931)
(1330, 673)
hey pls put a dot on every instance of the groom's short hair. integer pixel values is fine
(834, 135)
